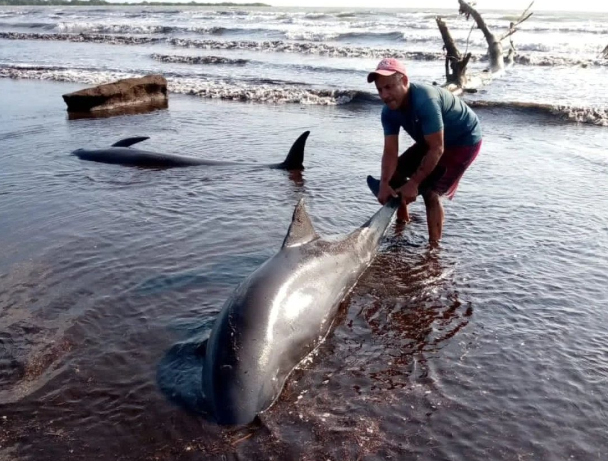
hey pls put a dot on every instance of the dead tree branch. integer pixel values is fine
(455, 63)
(513, 26)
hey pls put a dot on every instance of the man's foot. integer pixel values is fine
(433, 244)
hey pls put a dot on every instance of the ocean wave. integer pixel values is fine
(82, 38)
(104, 28)
(62, 74)
(29, 25)
(186, 59)
(316, 15)
(559, 61)
(583, 29)
(265, 92)
(280, 46)
(279, 92)
(11, 13)
(541, 47)
(589, 115)
(198, 59)
(319, 36)
(307, 48)
(97, 28)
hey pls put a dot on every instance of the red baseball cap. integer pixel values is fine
(388, 66)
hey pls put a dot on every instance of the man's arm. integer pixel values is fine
(430, 160)
(434, 141)
(390, 158)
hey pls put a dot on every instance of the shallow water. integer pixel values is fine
(492, 347)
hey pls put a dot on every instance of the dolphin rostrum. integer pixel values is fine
(122, 153)
(279, 314)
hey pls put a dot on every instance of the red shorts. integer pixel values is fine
(444, 179)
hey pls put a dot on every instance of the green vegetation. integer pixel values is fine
(104, 3)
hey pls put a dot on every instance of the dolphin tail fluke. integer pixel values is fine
(295, 157)
(383, 217)
(130, 141)
(374, 185)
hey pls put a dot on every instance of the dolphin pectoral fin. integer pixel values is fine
(374, 185)
(301, 229)
(130, 141)
(295, 157)
(179, 376)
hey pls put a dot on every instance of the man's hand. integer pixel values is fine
(385, 192)
(409, 191)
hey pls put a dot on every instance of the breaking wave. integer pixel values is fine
(96, 28)
(268, 91)
(318, 36)
(559, 61)
(590, 115)
(83, 38)
(198, 59)
(281, 46)
(279, 92)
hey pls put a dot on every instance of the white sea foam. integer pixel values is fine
(214, 89)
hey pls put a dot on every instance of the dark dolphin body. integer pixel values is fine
(281, 313)
(122, 154)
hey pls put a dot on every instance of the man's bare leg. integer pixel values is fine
(434, 216)
(403, 214)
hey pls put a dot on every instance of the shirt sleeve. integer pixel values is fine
(430, 117)
(389, 123)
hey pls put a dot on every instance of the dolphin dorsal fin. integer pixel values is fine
(301, 230)
(130, 141)
(295, 157)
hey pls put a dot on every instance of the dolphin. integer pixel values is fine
(281, 313)
(122, 153)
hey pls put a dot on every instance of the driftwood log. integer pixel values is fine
(150, 90)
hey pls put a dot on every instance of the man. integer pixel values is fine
(447, 137)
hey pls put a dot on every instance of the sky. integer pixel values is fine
(553, 5)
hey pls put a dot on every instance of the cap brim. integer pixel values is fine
(372, 76)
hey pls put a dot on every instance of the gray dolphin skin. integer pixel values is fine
(278, 315)
(122, 153)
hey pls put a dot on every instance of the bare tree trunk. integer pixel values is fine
(455, 63)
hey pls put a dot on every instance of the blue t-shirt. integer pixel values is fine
(432, 109)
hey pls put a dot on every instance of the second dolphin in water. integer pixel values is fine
(122, 153)
(280, 313)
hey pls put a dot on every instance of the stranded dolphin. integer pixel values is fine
(122, 153)
(279, 314)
